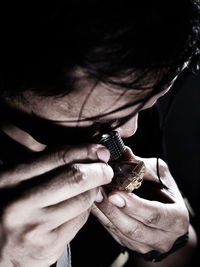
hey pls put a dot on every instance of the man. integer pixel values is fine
(71, 74)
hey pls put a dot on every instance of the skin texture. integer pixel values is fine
(59, 189)
(50, 211)
(145, 225)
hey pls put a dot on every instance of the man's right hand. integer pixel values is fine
(46, 200)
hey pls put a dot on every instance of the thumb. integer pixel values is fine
(129, 155)
(150, 164)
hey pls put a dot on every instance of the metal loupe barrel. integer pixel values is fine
(113, 142)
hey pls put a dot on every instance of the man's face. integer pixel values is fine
(69, 115)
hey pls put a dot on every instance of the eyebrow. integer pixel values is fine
(97, 120)
(101, 117)
(102, 120)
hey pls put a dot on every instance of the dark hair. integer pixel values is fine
(122, 43)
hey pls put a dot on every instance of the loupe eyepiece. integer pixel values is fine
(114, 143)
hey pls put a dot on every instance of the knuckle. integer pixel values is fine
(9, 216)
(111, 211)
(143, 249)
(86, 199)
(4, 174)
(78, 223)
(113, 229)
(42, 250)
(182, 221)
(83, 218)
(134, 233)
(6, 219)
(45, 247)
(153, 219)
(91, 151)
(110, 227)
(61, 157)
(107, 173)
(164, 247)
(77, 173)
(30, 234)
(162, 163)
(41, 245)
(182, 226)
(163, 167)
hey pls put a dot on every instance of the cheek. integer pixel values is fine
(153, 100)
(150, 103)
(129, 128)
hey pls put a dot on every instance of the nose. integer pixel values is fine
(129, 128)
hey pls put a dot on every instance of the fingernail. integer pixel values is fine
(99, 197)
(117, 201)
(103, 154)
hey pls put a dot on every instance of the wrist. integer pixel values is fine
(156, 256)
(183, 257)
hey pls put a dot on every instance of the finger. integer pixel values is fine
(48, 161)
(68, 182)
(56, 215)
(54, 242)
(133, 233)
(128, 155)
(157, 176)
(21, 215)
(67, 231)
(154, 214)
(102, 218)
(158, 172)
(106, 222)
(150, 164)
(118, 235)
